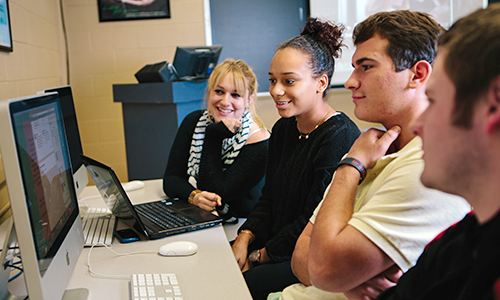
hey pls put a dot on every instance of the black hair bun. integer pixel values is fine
(327, 33)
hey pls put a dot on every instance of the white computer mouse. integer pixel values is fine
(178, 248)
(133, 185)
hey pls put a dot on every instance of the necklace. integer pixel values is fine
(306, 135)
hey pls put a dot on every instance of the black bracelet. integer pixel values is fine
(351, 161)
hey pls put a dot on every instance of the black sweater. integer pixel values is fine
(462, 263)
(297, 175)
(239, 185)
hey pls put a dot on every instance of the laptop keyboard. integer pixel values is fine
(156, 213)
(154, 287)
(98, 226)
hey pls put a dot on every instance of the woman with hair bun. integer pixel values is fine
(305, 146)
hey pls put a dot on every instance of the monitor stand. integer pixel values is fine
(10, 241)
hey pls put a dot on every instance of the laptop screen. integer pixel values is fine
(112, 193)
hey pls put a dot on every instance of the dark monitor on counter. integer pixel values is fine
(196, 63)
(72, 133)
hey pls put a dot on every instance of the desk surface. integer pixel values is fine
(212, 273)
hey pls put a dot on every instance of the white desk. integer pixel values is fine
(212, 273)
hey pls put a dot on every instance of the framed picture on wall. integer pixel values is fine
(125, 10)
(5, 31)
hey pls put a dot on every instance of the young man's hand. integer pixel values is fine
(373, 287)
(372, 144)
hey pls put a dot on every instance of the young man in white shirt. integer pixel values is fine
(461, 139)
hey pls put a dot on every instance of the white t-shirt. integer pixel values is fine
(396, 212)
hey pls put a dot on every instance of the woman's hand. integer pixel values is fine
(263, 256)
(232, 124)
(263, 259)
(246, 266)
(207, 200)
(240, 248)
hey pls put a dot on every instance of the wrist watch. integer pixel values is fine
(254, 257)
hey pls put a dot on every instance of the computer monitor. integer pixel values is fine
(80, 176)
(196, 63)
(45, 214)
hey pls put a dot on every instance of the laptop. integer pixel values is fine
(152, 220)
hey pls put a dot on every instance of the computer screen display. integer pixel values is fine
(80, 176)
(46, 171)
(196, 63)
(40, 185)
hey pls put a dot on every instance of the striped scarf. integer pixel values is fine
(230, 147)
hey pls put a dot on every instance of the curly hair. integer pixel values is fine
(322, 42)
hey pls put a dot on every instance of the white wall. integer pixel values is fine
(351, 12)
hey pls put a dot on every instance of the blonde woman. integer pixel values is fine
(219, 155)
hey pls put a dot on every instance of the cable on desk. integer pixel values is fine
(11, 248)
(89, 197)
(94, 274)
(80, 206)
(14, 267)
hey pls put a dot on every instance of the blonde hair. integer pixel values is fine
(244, 79)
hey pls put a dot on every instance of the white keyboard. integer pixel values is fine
(154, 287)
(98, 226)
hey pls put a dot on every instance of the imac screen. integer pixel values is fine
(46, 173)
(73, 134)
(194, 63)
